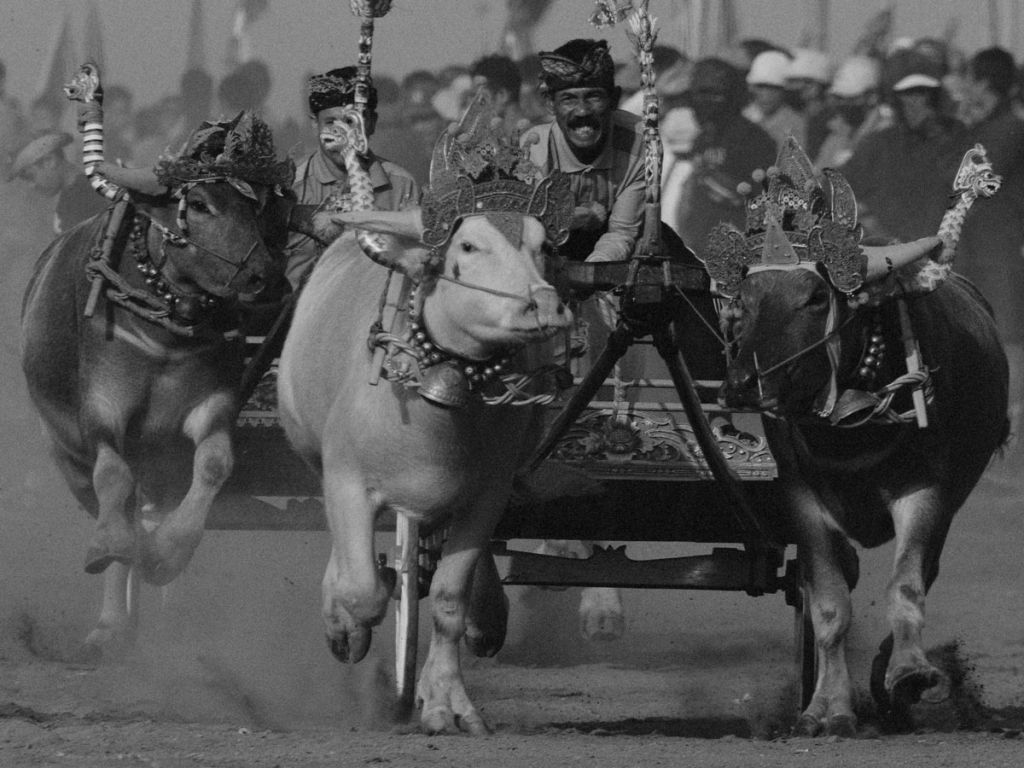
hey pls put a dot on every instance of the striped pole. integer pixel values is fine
(367, 11)
(86, 89)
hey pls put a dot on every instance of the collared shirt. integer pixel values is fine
(614, 180)
(316, 179)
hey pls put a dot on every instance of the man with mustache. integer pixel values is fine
(599, 146)
(322, 174)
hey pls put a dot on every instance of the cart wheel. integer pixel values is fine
(407, 615)
(805, 648)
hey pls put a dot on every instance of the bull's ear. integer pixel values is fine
(407, 224)
(884, 259)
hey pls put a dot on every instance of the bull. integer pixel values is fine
(823, 330)
(132, 353)
(425, 441)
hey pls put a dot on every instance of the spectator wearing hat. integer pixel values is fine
(768, 108)
(854, 109)
(44, 166)
(807, 81)
(322, 174)
(600, 147)
(993, 234)
(903, 175)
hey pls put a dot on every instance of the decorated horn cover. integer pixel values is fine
(793, 221)
(476, 168)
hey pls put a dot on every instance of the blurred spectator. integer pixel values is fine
(43, 164)
(456, 87)
(405, 133)
(993, 234)
(807, 81)
(768, 107)
(599, 147)
(157, 130)
(12, 124)
(531, 100)
(669, 63)
(903, 174)
(45, 115)
(499, 77)
(245, 87)
(419, 86)
(853, 109)
(324, 174)
(727, 150)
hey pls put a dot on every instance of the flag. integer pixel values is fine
(874, 40)
(523, 18)
(60, 66)
(240, 42)
(93, 39)
(195, 58)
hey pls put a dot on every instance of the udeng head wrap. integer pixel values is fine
(336, 88)
(578, 64)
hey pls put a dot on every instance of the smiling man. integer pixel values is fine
(598, 145)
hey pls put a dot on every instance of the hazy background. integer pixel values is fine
(146, 41)
(245, 616)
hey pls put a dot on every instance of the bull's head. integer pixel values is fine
(788, 325)
(485, 288)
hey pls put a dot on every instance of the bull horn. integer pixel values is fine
(141, 180)
(882, 260)
(407, 224)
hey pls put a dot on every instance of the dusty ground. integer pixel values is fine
(231, 668)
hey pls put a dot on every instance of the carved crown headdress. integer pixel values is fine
(793, 220)
(477, 168)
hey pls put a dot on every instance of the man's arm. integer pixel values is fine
(625, 218)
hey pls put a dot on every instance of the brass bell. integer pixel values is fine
(445, 385)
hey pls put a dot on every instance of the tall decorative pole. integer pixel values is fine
(367, 11)
(642, 35)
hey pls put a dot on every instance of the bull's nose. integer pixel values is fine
(740, 387)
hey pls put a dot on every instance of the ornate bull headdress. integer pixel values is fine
(476, 168)
(238, 150)
(794, 220)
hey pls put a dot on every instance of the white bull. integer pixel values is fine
(384, 448)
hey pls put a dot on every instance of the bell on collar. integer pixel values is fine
(445, 385)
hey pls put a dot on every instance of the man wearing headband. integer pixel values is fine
(322, 174)
(600, 147)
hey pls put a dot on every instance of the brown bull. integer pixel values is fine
(137, 391)
(853, 458)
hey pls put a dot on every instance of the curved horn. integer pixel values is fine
(85, 87)
(882, 260)
(407, 223)
(136, 179)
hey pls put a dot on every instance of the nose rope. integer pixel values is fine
(809, 348)
(528, 300)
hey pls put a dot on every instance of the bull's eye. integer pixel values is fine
(818, 297)
(198, 205)
(467, 247)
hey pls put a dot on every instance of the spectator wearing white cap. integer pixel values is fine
(903, 175)
(854, 109)
(807, 81)
(766, 81)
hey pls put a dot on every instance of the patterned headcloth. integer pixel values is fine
(336, 88)
(577, 64)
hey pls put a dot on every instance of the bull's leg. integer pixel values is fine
(169, 548)
(487, 619)
(824, 553)
(440, 690)
(355, 592)
(115, 631)
(600, 611)
(114, 486)
(921, 527)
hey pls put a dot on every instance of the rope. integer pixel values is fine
(882, 411)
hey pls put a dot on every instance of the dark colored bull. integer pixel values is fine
(854, 462)
(138, 395)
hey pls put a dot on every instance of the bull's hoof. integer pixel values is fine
(807, 725)
(99, 557)
(842, 725)
(106, 643)
(603, 628)
(436, 720)
(352, 646)
(909, 686)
